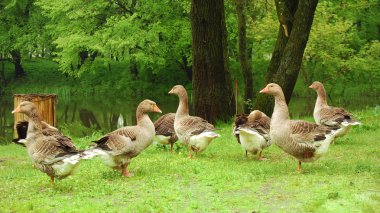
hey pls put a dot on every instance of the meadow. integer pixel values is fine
(220, 179)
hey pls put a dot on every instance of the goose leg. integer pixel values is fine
(52, 180)
(260, 156)
(125, 172)
(246, 153)
(171, 147)
(190, 155)
(299, 167)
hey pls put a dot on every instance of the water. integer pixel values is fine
(82, 116)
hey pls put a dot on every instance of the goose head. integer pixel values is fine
(148, 106)
(25, 107)
(272, 89)
(316, 85)
(178, 90)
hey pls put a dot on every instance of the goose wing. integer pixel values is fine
(165, 125)
(192, 125)
(332, 116)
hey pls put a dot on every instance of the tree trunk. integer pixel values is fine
(244, 57)
(16, 59)
(3, 71)
(212, 90)
(296, 18)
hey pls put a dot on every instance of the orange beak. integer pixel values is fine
(171, 91)
(16, 110)
(265, 90)
(156, 109)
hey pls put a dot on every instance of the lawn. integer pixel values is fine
(220, 179)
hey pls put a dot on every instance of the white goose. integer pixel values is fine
(252, 132)
(195, 132)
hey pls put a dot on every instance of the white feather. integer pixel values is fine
(201, 141)
(251, 140)
(161, 139)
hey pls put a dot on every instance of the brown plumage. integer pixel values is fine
(165, 133)
(329, 115)
(50, 151)
(305, 141)
(195, 132)
(252, 132)
(119, 147)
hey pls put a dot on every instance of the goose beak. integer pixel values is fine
(16, 110)
(156, 109)
(171, 91)
(265, 90)
(311, 86)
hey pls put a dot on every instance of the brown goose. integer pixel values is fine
(252, 132)
(165, 133)
(119, 147)
(54, 154)
(303, 140)
(328, 115)
(195, 132)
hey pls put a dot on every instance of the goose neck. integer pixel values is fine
(183, 107)
(281, 111)
(321, 99)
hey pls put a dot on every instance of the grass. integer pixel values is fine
(219, 179)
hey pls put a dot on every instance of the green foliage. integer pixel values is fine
(344, 45)
(219, 179)
(154, 36)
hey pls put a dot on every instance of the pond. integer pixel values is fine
(83, 115)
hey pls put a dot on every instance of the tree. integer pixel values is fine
(245, 53)
(212, 90)
(296, 18)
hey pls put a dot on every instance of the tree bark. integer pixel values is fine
(2, 75)
(212, 90)
(244, 54)
(16, 59)
(296, 18)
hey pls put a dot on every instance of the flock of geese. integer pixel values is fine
(56, 155)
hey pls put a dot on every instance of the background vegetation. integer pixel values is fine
(137, 45)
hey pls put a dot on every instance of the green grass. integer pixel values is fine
(219, 179)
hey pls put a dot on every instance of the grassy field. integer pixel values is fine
(220, 179)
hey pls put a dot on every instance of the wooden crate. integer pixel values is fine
(46, 105)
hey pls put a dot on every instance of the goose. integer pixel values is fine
(303, 140)
(194, 132)
(252, 132)
(165, 133)
(117, 148)
(328, 115)
(54, 154)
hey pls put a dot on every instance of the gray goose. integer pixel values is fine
(194, 132)
(165, 133)
(329, 115)
(117, 148)
(303, 140)
(252, 132)
(54, 154)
